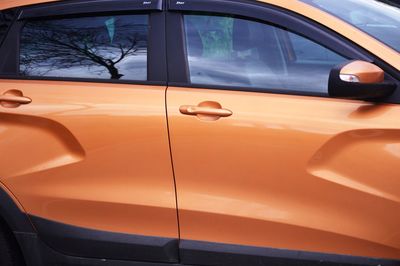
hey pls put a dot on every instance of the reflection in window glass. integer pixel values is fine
(230, 51)
(112, 47)
(380, 19)
(307, 51)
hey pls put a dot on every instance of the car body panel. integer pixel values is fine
(292, 172)
(83, 153)
(17, 3)
(284, 171)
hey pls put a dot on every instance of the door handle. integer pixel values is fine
(206, 110)
(198, 110)
(13, 98)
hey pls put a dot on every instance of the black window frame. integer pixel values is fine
(156, 53)
(12, 12)
(178, 69)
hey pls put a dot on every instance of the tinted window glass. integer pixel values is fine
(112, 47)
(307, 51)
(236, 52)
(6, 18)
(380, 19)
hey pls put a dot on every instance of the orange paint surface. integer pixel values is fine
(292, 172)
(84, 154)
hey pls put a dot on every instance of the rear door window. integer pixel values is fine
(103, 47)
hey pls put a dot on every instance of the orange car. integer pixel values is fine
(199, 132)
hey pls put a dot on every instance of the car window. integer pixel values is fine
(230, 51)
(380, 19)
(106, 47)
(6, 18)
(307, 51)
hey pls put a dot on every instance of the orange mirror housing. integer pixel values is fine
(359, 80)
(362, 72)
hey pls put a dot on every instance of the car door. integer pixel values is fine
(84, 141)
(262, 156)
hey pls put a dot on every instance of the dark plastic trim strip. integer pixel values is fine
(38, 253)
(12, 14)
(215, 254)
(84, 242)
(62, 244)
(15, 218)
(248, 89)
(86, 80)
(89, 6)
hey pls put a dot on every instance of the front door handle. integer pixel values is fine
(206, 110)
(197, 110)
(13, 98)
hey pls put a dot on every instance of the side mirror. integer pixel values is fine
(359, 80)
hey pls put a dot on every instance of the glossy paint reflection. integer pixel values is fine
(88, 153)
(293, 172)
(365, 160)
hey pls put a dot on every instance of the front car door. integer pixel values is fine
(262, 156)
(84, 140)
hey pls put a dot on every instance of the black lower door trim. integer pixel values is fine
(215, 254)
(39, 254)
(76, 242)
(83, 242)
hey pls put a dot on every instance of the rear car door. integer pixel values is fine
(84, 140)
(263, 159)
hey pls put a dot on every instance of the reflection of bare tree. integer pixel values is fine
(50, 45)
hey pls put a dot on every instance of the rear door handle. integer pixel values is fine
(209, 111)
(13, 98)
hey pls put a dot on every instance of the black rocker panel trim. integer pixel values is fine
(216, 254)
(12, 215)
(76, 7)
(84, 242)
(61, 244)
(38, 253)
